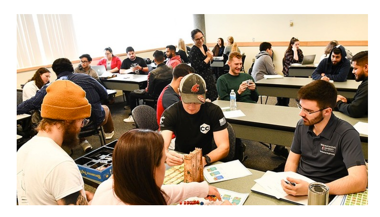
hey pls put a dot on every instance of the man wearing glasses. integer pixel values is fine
(325, 148)
(85, 66)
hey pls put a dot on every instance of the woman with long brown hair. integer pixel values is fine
(138, 174)
(39, 79)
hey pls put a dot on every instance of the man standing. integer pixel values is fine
(156, 78)
(173, 58)
(195, 123)
(325, 148)
(335, 68)
(264, 63)
(358, 107)
(95, 93)
(46, 174)
(241, 83)
(85, 66)
(133, 59)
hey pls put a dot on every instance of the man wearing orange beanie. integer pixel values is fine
(46, 174)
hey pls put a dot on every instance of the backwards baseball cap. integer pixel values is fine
(193, 89)
(65, 100)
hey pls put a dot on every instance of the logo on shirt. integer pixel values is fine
(205, 128)
(327, 149)
(162, 120)
(222, 121)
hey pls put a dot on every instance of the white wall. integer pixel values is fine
(275, 28)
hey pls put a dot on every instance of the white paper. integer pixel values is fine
(362, 127)
(271, 181)
(273, 76)
(233, 114)
(235, 198)
(22, 116)
(225, 171)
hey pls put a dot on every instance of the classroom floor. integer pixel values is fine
(259, 156)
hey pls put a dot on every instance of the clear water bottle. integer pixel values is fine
(233, 105)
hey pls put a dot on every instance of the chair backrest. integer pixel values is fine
(159, 85)
(243, 59)
(19, 96)
(232, 139)
(145, 117)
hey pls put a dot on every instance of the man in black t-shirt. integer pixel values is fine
(132, 58)
(195, 123)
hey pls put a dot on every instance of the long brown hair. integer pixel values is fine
(136, 155)
(292, 41)
(37, 77)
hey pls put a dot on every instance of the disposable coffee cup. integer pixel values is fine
(318, 194)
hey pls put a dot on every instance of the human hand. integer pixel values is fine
(209, 54)
(243, 86)
(299, 188)
(213, 191)
(251, 85)
(89, 195)
(325, 78)
(173, 158)
(341, 98)
(294, 47)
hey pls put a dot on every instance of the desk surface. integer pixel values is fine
(126, 82)
(275, 124)
(289, 86)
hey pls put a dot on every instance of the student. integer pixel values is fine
(358, 106)
(264, 63)
(133, 59)
(85, 66)
(138, 163)
(173, 59)
(241, 83)
(110, 62)
(335, 68)
(325, 148)
(39, 79)
(46, 174)
(195, 123)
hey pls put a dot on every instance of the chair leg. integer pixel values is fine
(102, 137)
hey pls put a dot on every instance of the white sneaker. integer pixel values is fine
(87, 147)
(109, 135)
(129, 119)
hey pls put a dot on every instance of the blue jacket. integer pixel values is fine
(337, 72)
(95, 94)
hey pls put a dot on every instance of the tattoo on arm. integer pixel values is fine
(75, 199)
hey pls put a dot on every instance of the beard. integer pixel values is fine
(313, 121)
(359, 77)
(70, 135)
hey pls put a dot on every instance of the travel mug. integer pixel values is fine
(318, 194)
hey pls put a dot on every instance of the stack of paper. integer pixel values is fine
(273, 76)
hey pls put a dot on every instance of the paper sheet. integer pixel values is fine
(273, 76)
(225, 171)
(362, 127)
(232, 114)
(235, 198)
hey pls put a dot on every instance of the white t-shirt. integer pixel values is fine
(45, 173)
(30, 89)
(104, 194)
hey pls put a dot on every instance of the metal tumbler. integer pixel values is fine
(318, 194)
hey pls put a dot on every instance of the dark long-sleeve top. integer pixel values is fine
(336, 72)
(288, 60)
(358, 107)
(95, 94)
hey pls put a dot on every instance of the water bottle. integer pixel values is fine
(233, 105)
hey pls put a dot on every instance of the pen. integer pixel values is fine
(290, 183)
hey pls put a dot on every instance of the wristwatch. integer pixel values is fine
(208, 159)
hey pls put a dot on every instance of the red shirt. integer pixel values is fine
(115, 62)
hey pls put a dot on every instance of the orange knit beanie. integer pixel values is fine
(65, 100)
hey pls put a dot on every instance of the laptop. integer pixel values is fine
(99, 69)
(308, 59)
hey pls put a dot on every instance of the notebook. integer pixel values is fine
(99, 69)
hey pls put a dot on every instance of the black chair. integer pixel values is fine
(237, 147)
(243, 59)
(92, 130)
(159, 85)
(145, 117)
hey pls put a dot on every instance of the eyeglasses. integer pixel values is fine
(198, 39)
(85, 122)
(307, 110)
(84, 61)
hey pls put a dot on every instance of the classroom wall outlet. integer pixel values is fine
(253, 39)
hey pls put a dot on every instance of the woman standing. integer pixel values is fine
(39, 79)
(293, 54)
(138, 163)
(111, 62)
(182, 50)
(200, 58)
